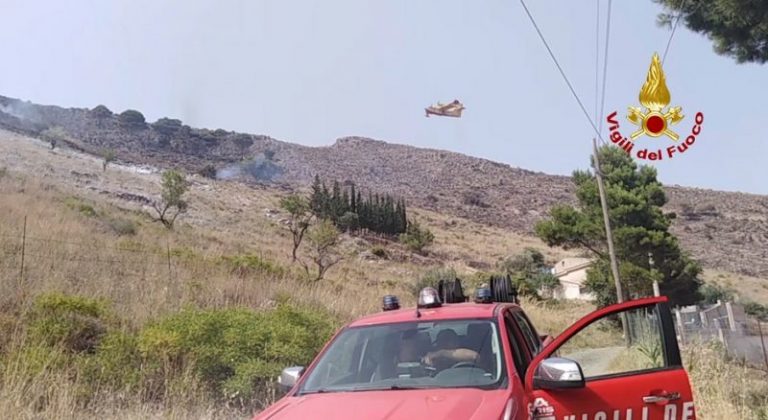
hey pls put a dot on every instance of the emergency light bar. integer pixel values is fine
(483, 295)
(390, 303)
(428, 298)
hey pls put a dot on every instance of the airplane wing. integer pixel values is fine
(452, 109)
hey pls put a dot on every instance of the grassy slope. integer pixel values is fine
(72, 250)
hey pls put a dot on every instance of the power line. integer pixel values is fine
(674, 27)
(605, 66)
(597, 53)
(562, 73)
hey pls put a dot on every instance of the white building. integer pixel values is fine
(572, 273)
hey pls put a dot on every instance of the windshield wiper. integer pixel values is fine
(319, 391)
(393, 387)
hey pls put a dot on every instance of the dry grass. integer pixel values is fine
(722, 389)
(748, 287)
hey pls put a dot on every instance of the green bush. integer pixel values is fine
(116, 365)
(757, 310)
(234, 351)
(132, 118)
(247, 264)
(74, 323)
(122, 226)
(380, 251)
(416, 238)
(80, 206)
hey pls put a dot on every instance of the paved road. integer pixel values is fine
(595, 361)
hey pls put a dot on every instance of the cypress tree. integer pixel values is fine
(345, 207)
(352, 198)
(325, 211)
(335, 207)
(358, 200)
(316, 199)
(404, 219)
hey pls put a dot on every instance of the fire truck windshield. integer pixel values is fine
(411, 355)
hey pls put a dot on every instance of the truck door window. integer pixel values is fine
(602, 350)
(531, 338)
(519, 354)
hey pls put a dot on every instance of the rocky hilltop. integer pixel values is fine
(724, 230)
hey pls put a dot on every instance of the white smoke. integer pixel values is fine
(229, 172)
(259, 168)
(21, 110)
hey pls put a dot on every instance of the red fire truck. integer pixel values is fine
(450, 358)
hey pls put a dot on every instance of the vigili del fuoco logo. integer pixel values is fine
(654, 120)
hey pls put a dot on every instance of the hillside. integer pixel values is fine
(88, 234)
(725, 230)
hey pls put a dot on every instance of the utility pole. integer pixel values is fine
(656, 291)
(609, 237)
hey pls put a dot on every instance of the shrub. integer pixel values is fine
(77, 204)
(247, 264)
(379, 251)
(101, 111)
(235, 351)
(75, 323)
(3, 172)
(109, 156)
(122, 226)
(167, 126)
(208, 171)
(116, 364)
(132, 118)
(474, 198)
(529, 273)
(416, 238)
(757, 310)
(711, 293)
(349, 221)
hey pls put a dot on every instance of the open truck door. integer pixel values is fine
(593, 372)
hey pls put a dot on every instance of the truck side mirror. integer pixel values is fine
(289, 377)
(558, 373)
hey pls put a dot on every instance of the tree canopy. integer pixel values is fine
(381, 214)
(738, 28)
(640, 230)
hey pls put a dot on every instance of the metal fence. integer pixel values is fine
(743, 338)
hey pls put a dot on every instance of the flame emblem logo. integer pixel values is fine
(653, 120)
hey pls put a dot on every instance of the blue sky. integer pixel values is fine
(310, 71)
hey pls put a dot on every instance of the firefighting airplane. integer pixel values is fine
(452, 109)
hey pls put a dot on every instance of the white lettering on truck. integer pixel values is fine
(670, 413)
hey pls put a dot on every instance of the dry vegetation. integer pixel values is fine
(88, 234)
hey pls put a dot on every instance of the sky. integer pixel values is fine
(311, 71)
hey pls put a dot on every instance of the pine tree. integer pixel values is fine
(640, 227)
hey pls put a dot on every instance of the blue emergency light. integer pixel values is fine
(390, 303)
(483, 295)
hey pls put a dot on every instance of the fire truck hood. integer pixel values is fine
(449, 404)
